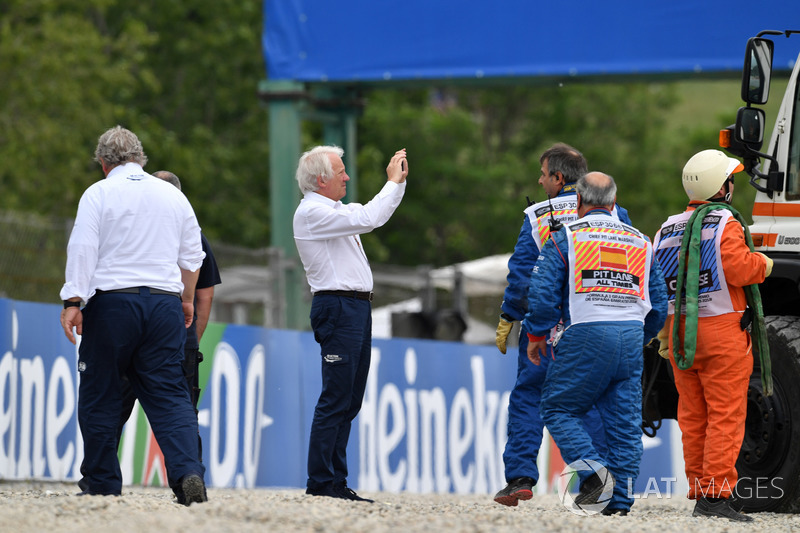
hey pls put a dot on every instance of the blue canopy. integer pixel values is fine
(373, 40)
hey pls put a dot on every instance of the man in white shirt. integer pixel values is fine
(326, 233)
(133, 256)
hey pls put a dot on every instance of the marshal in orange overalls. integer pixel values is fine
(713, 391)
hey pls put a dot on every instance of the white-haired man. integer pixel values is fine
(326, 232)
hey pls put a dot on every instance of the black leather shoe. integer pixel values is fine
(90, 493)
(736, 503)
(721, 508)
(194, 489)
(349, 494)
(517, 489)
(610, 512)
(592, 488)
(325, 490)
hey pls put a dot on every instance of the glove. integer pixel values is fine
(770, 263)
(663, 341)
(747, 318)
(503, 331)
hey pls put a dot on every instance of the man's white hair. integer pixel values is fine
(316, 163)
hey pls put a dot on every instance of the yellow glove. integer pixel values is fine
(663, 341)
(770, 263)
(503, 331)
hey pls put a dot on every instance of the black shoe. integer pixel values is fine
(193, 489)
(517, 489)
(86, 491)
(721, 508)
(349, 494)
(620, 512)
(592, 488)
(736, 503)
(325, 490)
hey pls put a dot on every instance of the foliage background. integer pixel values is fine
(183, 76)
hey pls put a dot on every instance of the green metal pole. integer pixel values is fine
(284, 143)
(341, 132)
(350, 146)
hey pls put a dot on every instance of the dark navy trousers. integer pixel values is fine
(343, 328)
(141, 337)
(191, 359)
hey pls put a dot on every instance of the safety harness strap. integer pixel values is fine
(687, 291)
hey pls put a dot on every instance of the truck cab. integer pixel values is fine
(769, 461)
(775, 173)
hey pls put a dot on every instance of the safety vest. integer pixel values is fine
(609, 267)
(564, 210)
(713, 296)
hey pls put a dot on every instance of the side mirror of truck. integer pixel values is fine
(749, 128)
(757, 70)
(744, 139)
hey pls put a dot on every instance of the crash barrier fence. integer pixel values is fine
(434, 417)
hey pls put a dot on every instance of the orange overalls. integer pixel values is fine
(712, 403)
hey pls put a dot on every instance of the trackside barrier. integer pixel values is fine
(433, 420)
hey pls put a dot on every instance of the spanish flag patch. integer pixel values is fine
(616, 258)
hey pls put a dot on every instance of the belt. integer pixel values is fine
(144, 291)
(361, 295)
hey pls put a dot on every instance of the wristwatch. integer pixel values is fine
(70, 303)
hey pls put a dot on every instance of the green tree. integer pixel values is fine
(203, 120)
(64, 82)
(182, 75)
(474, 158)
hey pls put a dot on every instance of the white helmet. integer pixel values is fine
(706, 172)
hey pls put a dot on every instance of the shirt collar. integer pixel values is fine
(317, 197)
(598, 211)
(569, 188)
(125, 169)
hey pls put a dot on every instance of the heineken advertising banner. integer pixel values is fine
(433, 420)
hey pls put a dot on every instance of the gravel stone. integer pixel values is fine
(40, 506)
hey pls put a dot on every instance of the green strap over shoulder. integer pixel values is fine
(687, 290)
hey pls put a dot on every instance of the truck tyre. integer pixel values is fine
(769, 462)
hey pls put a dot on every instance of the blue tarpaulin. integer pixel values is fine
(372, 40)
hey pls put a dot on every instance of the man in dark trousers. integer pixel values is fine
(326, 233)
(192, 357)
(133, 256)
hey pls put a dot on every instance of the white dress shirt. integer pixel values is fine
(327, 237)
(131, 230)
